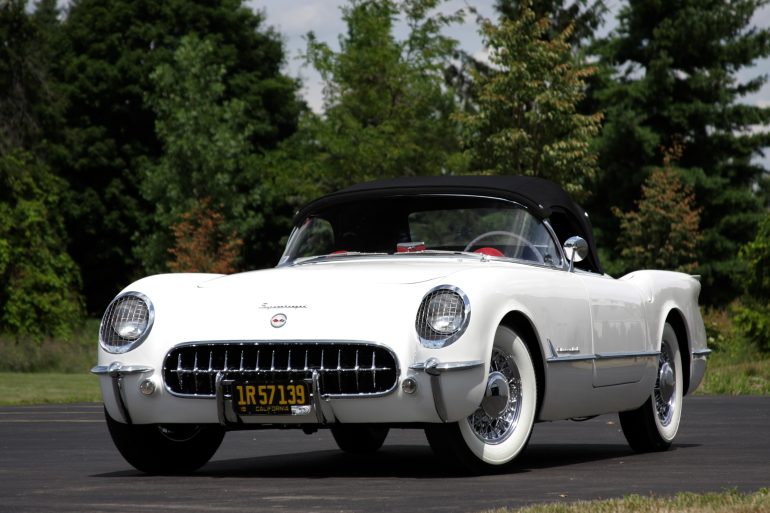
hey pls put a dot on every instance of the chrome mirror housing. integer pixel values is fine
(576, 249)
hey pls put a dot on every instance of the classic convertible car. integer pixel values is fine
(470, 307)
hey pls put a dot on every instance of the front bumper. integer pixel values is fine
(437, 392)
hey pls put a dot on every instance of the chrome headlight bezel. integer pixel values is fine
(141, 314)
(430, 311)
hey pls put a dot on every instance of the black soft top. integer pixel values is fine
(543, 198)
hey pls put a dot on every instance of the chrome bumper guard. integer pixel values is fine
(229, 418)
(117, 371)
(434, 369)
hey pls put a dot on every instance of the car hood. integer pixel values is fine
(347, 300)
(321, 275)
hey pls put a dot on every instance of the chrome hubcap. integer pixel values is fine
(665, 386)
(499, 412)
(497, 395)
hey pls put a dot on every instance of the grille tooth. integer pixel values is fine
(187, 373)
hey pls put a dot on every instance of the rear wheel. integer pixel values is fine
(653, 426)
(500, 428)
(165, 449)
(359, 438)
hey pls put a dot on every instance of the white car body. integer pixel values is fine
(594, 341)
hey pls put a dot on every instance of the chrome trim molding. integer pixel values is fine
(433, 367)
(616, 356)
(602, 356)
(701, 353)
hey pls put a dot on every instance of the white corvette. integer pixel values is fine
(470, 307)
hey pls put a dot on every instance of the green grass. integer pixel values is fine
(726, 502)
(18, 388)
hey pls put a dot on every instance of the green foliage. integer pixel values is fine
(39, 282)
(525, 120)
(669, 73)
(663, 232)
(109, 51)
(387, 113)
(206, 151)
(753, 316)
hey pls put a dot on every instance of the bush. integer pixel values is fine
(753, 317)
(39, 282)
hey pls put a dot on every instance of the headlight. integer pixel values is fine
(126, 323)
(443, 316)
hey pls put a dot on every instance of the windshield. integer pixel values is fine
(423, 224)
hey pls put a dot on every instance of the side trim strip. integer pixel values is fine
(602, 356)
(702, 353)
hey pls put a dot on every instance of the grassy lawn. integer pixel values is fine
(47, 387)
(726, 502)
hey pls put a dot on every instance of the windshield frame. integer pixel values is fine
(286, 261)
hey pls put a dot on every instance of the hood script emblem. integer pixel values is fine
(278, 320)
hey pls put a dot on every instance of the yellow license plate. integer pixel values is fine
(269, 398)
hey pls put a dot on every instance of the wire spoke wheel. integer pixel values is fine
(494, 427)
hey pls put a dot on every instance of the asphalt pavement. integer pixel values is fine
(61, 458)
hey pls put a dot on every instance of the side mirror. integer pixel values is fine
(576, 249)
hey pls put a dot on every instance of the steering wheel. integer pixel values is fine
(538, 255)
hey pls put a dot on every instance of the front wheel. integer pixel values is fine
(165, 449)
(653, 426)
(500, 428)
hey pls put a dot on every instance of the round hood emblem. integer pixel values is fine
(278, 320)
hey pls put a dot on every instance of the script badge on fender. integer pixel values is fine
(278, 320)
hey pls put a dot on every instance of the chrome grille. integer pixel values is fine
(344, 368)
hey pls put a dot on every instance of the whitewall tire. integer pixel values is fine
(499, 430)
(654, 425)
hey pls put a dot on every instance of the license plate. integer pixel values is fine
(270, 397)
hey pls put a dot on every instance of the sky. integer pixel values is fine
(293, 19)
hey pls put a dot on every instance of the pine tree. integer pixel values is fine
(670, 73)
(663, 232)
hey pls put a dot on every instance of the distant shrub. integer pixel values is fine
(753, 317)
(202, 244)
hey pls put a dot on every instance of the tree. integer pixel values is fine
(386, 111)
(583, 16)
(206, 156)
(109, 51)
(39, 282)
(669, 74)
(526, 120)
(663, 232)
(30, 103)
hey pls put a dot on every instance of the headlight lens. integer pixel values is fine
(443, 316)
(126, 323)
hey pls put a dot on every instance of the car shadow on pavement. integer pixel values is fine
(399, 461)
